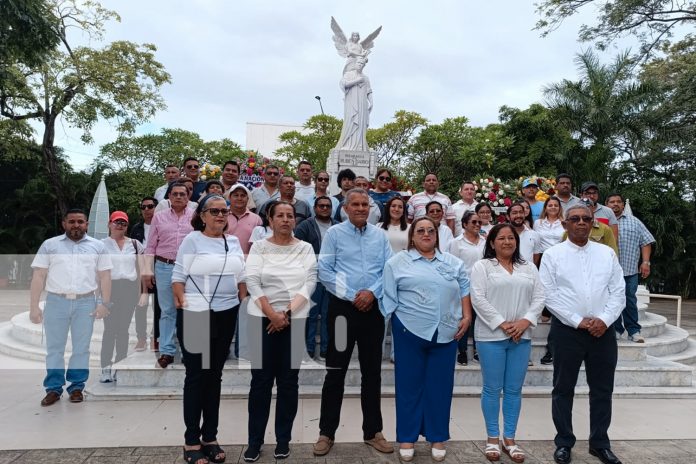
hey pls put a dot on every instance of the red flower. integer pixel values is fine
(551, 191)
(507, 202)
(250, 171)
(491, 196)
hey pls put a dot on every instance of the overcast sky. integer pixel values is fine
(264, 61)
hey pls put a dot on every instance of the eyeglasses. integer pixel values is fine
(178, 194)
(430, 231)
(384, 178)
(148, 206)
(272, 173)
(192, 166)
(476, 223)
(120, 223)
(323, 206)
(322, 179)
(482, 212)
(217, 211)
(577, 219)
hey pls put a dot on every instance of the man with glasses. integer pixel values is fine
(313, 231)
(269, 189)
(167, 230)
(140, 232)
(467, 192)
(584, 288)
(304, 188)
(171, 173)
(321, 181)
(351, 263)
(192, 169)
(76, 272)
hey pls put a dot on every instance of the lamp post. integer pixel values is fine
(320, 105)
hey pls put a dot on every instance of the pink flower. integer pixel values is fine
(249, 171)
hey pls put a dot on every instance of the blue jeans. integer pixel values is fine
(60, 316)
(167, 322)
(320, 307)
(503, 368)
(629, 316)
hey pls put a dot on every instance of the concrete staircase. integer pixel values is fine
(660, 367)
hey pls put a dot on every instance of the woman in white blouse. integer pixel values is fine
(396, 227)
(508, 297)
(485, 213)
(281, 276)
(469, 248)
(435, 212)
(208, 284)
(125, 293)
(549, 225)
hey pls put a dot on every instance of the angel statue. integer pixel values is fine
(353, 48)
(356, 88)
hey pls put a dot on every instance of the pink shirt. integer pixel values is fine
(242, 226)
(167, 231)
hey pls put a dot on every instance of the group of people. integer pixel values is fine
(292, 261)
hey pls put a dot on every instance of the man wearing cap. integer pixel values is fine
(529, 190)
(584, 289)
(241, 221)
(564, 191)
(168, 229)
(590, 190)
(75, 270)
(635, 244)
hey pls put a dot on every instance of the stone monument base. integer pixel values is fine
(362, 163)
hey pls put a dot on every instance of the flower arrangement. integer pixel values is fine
(494, 191)
(210, 171)
(400, 184)
(547, 186)
(252, 169)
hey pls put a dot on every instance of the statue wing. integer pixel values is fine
(339, 38)
(368, 43)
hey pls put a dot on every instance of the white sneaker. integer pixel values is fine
(618, 336)
(636, 338)
(106, 375)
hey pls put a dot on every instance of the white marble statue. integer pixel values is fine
(356, 88)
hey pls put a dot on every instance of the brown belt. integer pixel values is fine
(73, 296)
(164, 260)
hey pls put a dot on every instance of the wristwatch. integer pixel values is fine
(108, 305)
(646, 262)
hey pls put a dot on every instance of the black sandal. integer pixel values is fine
(195, 455)
(212, 451)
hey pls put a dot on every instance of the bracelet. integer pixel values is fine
(646, 262)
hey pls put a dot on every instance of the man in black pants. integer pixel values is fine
(585, 293)
(350, 264)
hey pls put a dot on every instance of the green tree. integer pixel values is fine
(651, 22)
(393, 140)
(28, 32)
(119, 82)
(605, 111)
(320, 135)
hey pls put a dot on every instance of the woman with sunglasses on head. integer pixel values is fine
(281, 276)
(208, 285)
(435, 212)
(126, 292)
(485, 214)
(426, 293)
(469, 248)
(321, 189)
(508, 297)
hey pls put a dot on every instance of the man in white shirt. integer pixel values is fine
(585, 292)
(75, 270)
(171, 173)
(304, 187)
(467, 191)
(529, 239)
(417, 203)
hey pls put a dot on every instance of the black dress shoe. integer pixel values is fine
(562, 455)
(605, 455)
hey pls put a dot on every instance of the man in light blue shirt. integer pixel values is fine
(351, 262)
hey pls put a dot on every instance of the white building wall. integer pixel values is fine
(263, 137)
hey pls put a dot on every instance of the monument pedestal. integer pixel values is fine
(362, 163)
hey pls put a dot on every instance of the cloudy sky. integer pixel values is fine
(234, 62)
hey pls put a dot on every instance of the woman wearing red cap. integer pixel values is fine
(125, 292)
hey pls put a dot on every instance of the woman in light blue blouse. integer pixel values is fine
(427, 292)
